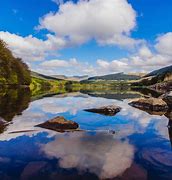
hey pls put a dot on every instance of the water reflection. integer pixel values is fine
(158, 161)
(13, 102)
(118, 95)
(169, 115)
(100, 154)
(122, 94)
(3, 125)
(147, 92)
(130, 120)
(140, 148)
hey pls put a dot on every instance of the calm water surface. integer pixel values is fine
(139, 149)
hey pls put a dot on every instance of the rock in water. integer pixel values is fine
(59, 123)
(150, 104)
(106, 110)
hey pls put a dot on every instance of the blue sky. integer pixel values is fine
(152, 19)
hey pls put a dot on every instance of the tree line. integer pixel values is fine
(13, 71)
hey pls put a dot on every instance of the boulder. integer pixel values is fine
(106, 110)
(59, 124)
(150, 104)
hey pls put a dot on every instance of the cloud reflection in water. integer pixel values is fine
(100, 153)
(130, 120)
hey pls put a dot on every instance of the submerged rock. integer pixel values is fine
(150, 105)
(106, 110)
(59, 124)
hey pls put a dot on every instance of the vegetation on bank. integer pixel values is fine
(148, 81)
(40, 86)
(13, 71)
(159, 80)
(13, 101)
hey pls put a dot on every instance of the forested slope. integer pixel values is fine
(13, 71)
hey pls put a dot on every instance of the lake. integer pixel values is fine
(140, 148)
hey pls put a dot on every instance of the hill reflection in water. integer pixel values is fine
(139, 149)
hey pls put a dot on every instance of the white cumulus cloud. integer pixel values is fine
(164, 44)
(31, 48)
(108, 22)
(55, 64)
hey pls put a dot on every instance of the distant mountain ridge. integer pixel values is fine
(117, 77)
(71, 78)
(58, 77)
(42, 76)
(159, 76)
(160, 71)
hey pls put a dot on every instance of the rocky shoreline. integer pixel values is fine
(156, 106)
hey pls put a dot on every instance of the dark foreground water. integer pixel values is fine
(139, 149)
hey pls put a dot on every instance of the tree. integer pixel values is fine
(12, 70)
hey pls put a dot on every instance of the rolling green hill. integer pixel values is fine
(58, 77)
(44, 77)
(161, 71)
(160, 79)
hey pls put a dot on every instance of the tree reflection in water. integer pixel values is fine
(12, 102)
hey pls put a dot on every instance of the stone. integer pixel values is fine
(106, 110)
(150, 104)
(59, 124)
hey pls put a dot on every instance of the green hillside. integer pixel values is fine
(13, 71)
(161, 71)
(44, 77)
(159, 79)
